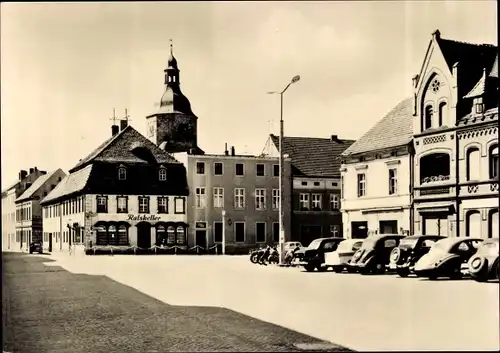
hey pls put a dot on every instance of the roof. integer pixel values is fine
(393, 130)
(118, 148)
(13, 185)
(479, 89)
(37, 184)
(313, 156)
(494, 69)
(71, 184)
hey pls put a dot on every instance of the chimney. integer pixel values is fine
(226, 152)
(335, 138)
(436, 34)
(115, 129)
(22, 174)
(31, 170)
(123, 124)
(232, 150)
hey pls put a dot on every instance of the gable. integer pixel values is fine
(128, 146)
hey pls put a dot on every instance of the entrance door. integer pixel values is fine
(201, 238)
(50, 242)
(388, 227)
(437, 225)
(144, 235)
(359, 230)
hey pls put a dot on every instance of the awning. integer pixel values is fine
(382, 209)
(437, 207)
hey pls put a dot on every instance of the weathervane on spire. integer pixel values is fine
(114, 117)
(171, 47)
(126, 117)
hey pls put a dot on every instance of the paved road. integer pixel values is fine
(360, 312)
(48, 309)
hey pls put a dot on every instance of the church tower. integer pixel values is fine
(174, 127)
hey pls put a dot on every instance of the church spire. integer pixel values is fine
(172, 71)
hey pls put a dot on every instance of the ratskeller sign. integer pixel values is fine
(153, 218)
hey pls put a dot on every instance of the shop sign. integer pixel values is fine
(153, 218)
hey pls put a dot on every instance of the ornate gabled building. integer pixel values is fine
(174, 126)
(127, 193)
(455, 110)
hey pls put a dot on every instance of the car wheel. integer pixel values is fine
(379, 268)
(403, 272)
(309, 268)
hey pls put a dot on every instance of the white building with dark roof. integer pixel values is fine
(376, 177)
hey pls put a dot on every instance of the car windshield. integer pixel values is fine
(408, 242)
(315, 244)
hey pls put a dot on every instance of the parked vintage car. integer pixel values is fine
(339, 259)
(447, 257)
(36, 247)
(314, 255)
(373, 256)
(409, 251)
(484, 264)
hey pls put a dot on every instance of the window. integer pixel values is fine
(112, 235)
(342, 187)
(276, 199)
(239, 198)
(434, 167)
(361, 185)
(170, 236)
(304, 183)
(218, 168)
(162, 204)
(260, 170)
(473, 164)
(335, 230)
(179, 205)
(393, 181)
(260, 199)
(239, 232)
(219, 197)
(161, 238)
(200, 198)
(493, 226)
(143, 204)
(316, 202)
(428, 117)
(390, 243)
(162, 174)
(122, 173)
(217, 232)
(122, 235)
(304, 202)
(260, 232)
(473, 221)
(200, 168)
(121, 204)
(276, 170)
(239, 169)
(493, 162)
(102, 204)
(316, 183)
(443, 110)
(181, 235)
(334, 202)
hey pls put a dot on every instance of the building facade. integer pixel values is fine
(128, 193)
(455, 139)
(376, 175)
(28, 210)
(247, 189)
(11, 240)
(315, 192)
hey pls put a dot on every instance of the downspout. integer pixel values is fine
(412, 190)
(457, 187)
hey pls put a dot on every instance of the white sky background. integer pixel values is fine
(64, 67)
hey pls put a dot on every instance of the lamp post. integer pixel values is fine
(223, 232)
(281, 193)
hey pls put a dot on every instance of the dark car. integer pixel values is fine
(446, 257)
(484, 264)
(36, 247)
(409, 251)
(314, 255)
(373, 256)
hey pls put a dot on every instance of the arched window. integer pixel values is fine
(493, 161)
(473, 221)
(428, 117)
(122, 235)
(162, 174)
(122, 173)
(493, 226)
(101, 235)
(161, 238)
(112, 235)
(434, 167)
(443, 113)
(181, 236)
(170, 236)
(473, 164)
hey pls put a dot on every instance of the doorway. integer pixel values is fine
(359, 230)
(50, 242)
(144, 235)
(201, 238)
(388, 227)
(435, 225)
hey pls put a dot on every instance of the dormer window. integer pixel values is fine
(122, 173)
(162, 174)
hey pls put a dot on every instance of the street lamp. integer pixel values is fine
(281, 193)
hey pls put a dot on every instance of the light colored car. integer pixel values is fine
(484, 265)
(339, 259)
(290, 245)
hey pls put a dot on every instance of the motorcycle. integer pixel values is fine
(255, 255)
(273, 257)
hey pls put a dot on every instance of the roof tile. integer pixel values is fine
(37, 184)
(72, 183)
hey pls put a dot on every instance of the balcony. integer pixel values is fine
(480, 189)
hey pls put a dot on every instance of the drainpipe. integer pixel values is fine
(412, 190)
(457, 187)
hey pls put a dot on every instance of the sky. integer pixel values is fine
(65, 66)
